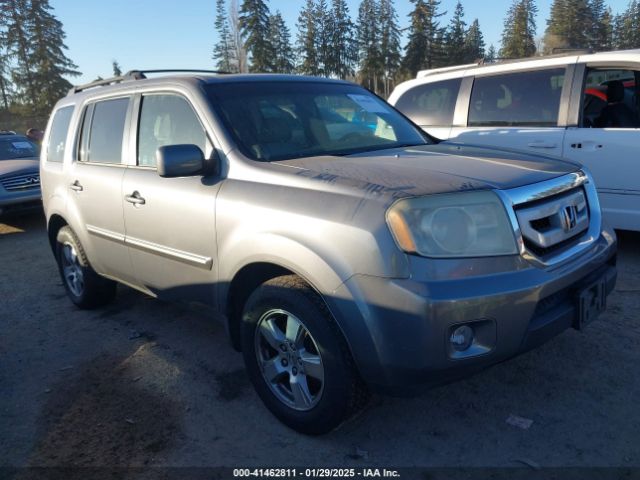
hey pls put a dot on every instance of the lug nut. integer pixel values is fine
(294, 370)
(283, 347)
(284, 362)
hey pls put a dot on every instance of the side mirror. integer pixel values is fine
(179, 161)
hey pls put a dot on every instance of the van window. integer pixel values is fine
(431, 104)
(167, 120)
(610, 99)
(103, 131)
(58, 136)
(517, 99)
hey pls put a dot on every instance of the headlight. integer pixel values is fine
(469, 224)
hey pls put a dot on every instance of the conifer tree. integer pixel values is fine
(254, 26)
(5, 83)
(5, 80)
(19, 48)
(474, 43)
(455, 36)
(627, 27)
(389, 43)
(306, 40)
(569, 25)
(280, 39)
(239, 56)
(518, 36)
(322, 21)
(491, 55)
(343, 52)
(369, 44)
(424, 46)
(48, 59)
(224, 49)
(117, 71)
(602, 31)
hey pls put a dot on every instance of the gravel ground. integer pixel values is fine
(143, 382)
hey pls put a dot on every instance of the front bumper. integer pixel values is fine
(399, 329)
(11, 202)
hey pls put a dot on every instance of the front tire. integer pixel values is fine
(297, 358)
(84, 286)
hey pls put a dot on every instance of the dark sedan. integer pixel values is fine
(19, 173)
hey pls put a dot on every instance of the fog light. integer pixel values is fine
(461, 338)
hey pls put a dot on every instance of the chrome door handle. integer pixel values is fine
(135, 198)
(76, 187)
(542, 145)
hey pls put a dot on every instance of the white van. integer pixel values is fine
(583, 107)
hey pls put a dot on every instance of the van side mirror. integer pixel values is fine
(179, 161)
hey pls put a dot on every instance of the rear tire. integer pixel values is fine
(84, 286)
(297, 357)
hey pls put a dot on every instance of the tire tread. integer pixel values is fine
(98, 290)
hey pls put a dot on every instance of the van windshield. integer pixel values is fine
(282, 120)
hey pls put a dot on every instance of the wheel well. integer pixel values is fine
(241, 287)
(56, 222)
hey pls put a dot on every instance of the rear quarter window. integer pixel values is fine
(517, 99)
(431, 104)
(58, 136)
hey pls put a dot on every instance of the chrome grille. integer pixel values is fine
(28, 181)
(556, 219)
(553, 221)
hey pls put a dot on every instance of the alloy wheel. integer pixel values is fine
(289, 359)
(72, 270)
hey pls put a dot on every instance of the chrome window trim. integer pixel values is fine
(538, 191)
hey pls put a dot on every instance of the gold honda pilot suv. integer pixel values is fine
(347, 250)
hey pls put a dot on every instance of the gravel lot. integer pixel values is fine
(143, 382)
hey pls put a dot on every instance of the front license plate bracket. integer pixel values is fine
(592, 301)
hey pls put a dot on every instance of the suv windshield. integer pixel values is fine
(17, 147)
(282, 120)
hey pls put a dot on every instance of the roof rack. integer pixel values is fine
(107, 81)
(135, 75)
(555, 53)
(426, 73)
(7, 132)
(571, 51)
(143, 73)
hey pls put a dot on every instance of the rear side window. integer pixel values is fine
(431, 104)
(167, 120)
(517, 99)
(103, 131)
(58, 136)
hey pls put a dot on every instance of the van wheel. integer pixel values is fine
(84, 286)
(297, 358)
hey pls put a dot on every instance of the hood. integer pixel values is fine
(430, 169)
(21, 165)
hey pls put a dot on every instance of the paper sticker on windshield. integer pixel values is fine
(22, 145)
(368, 103)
